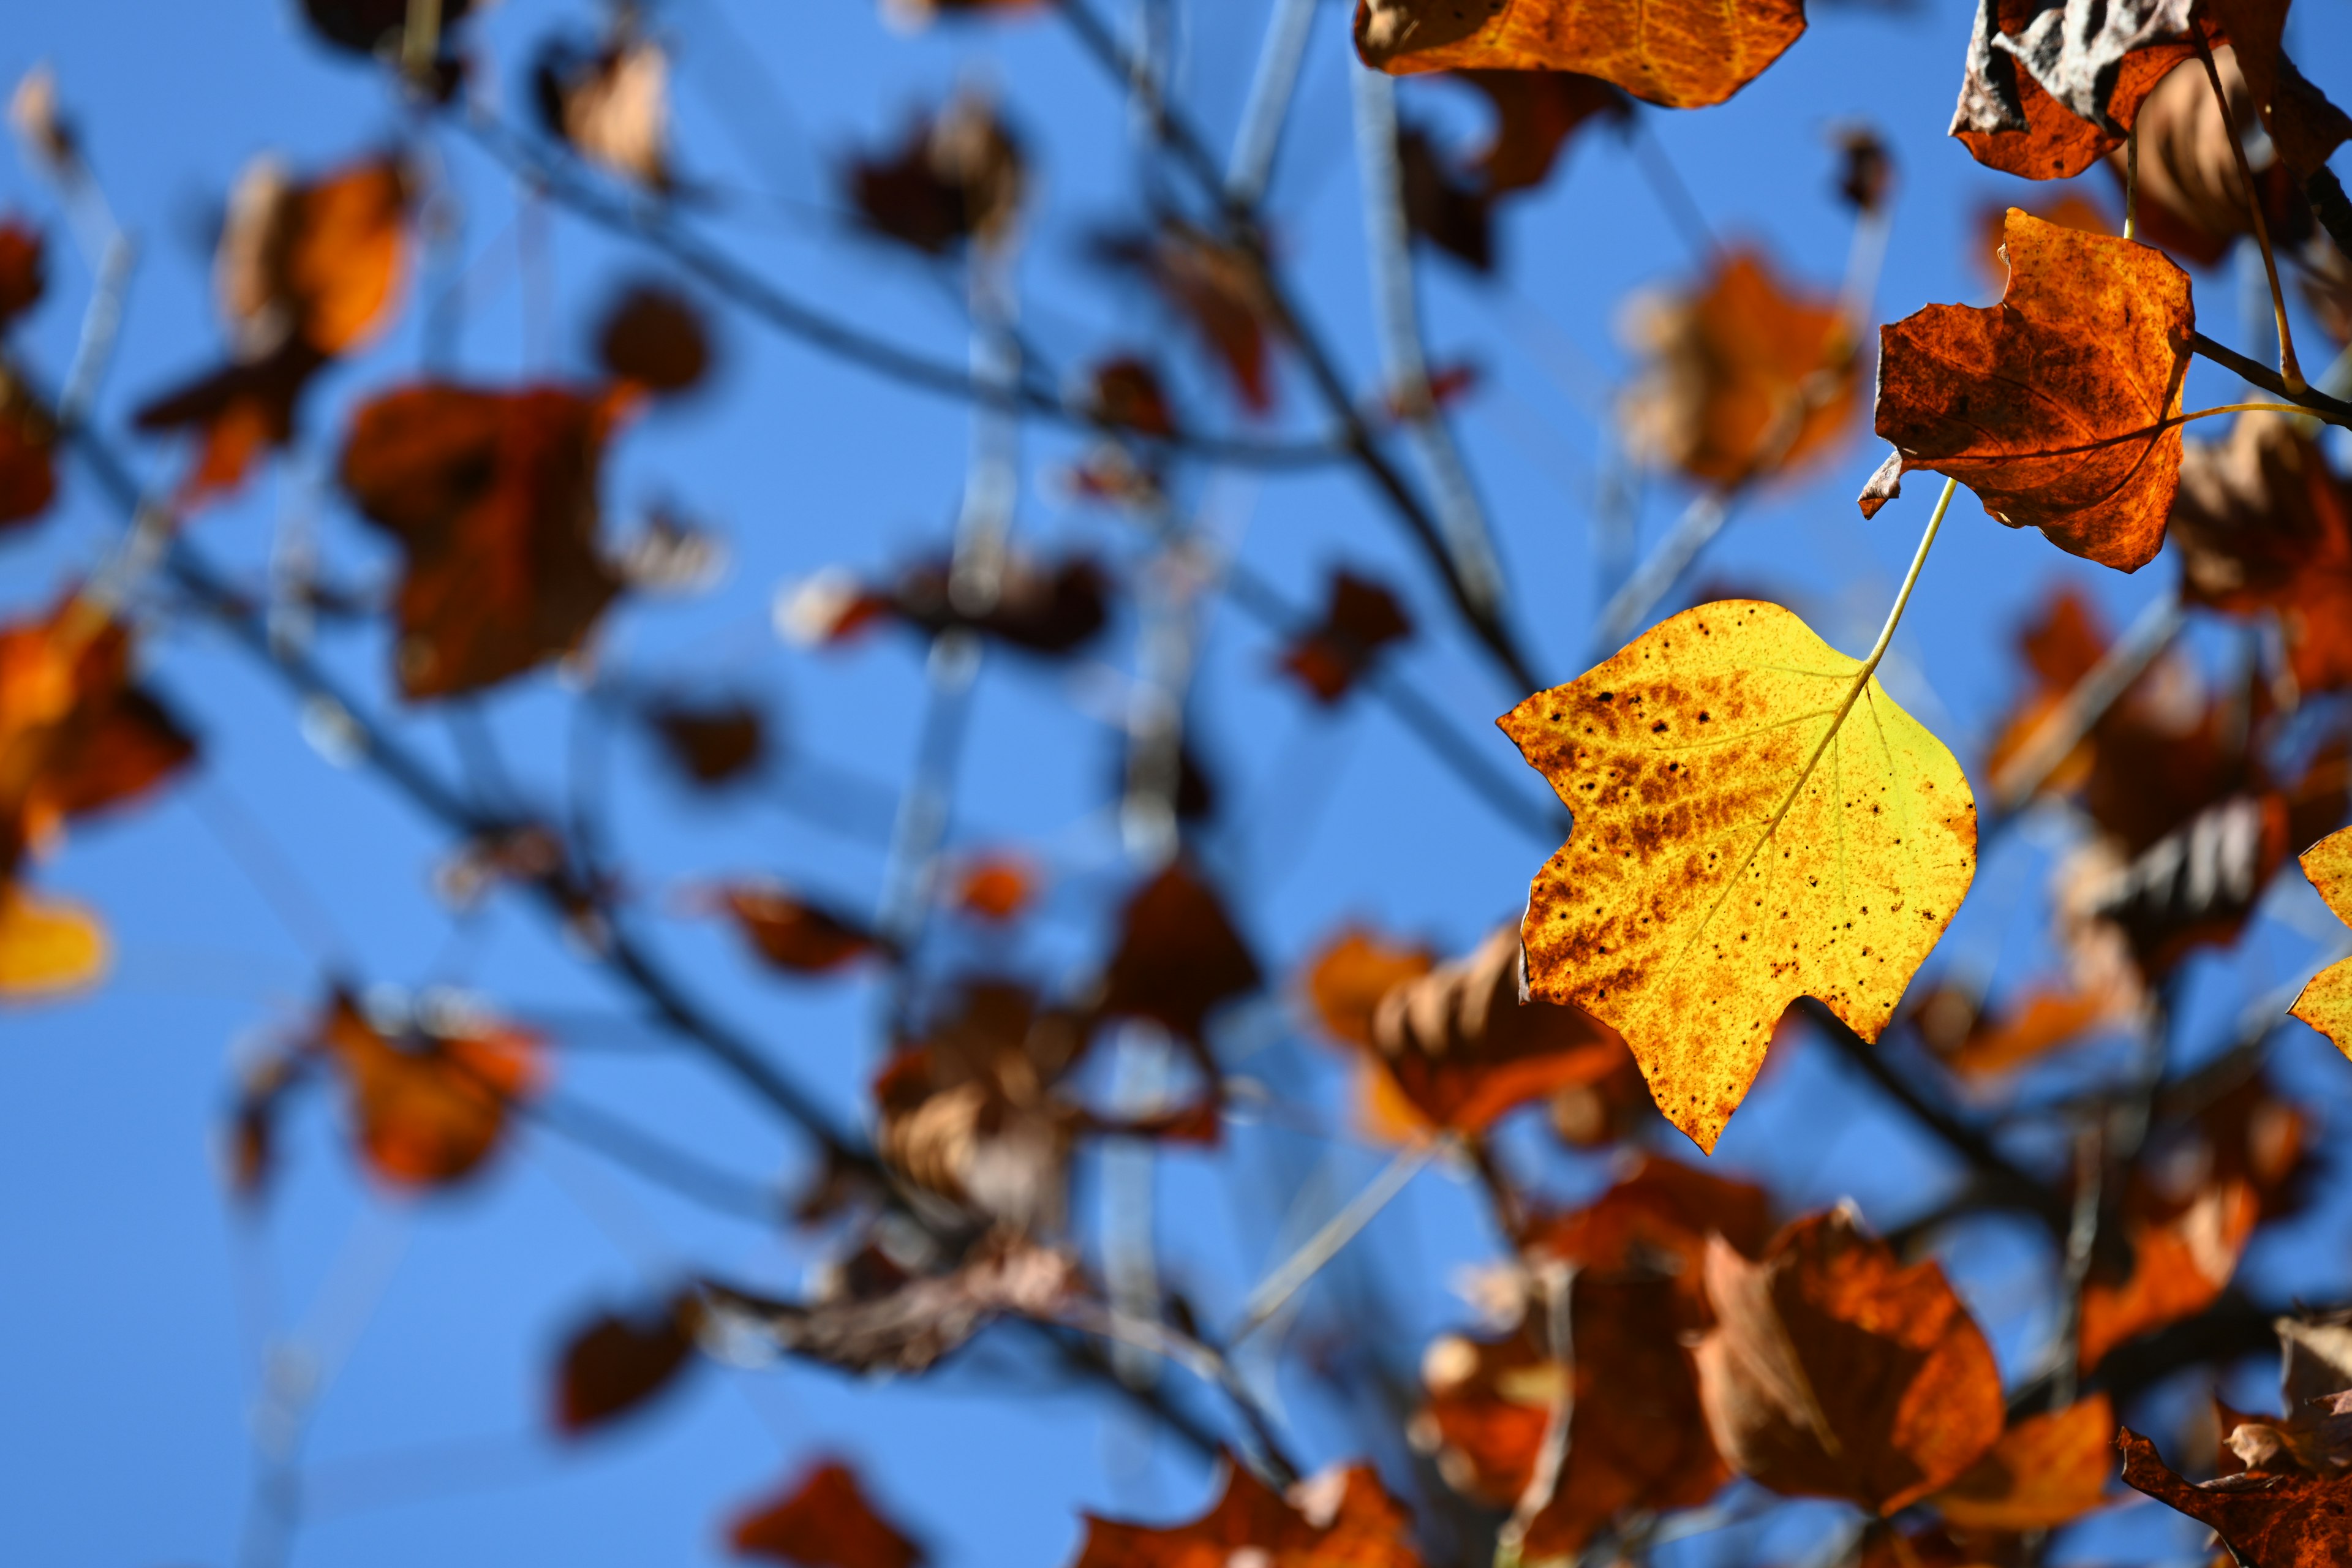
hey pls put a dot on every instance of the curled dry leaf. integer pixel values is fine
(792, 933)
(1637, 1438)
(2193, 200)
(617, 1362)
(654, 337)
(2058, 406)
(1218, 289)
(2326, 1003)
(2051, 85)
(1834, 1372)
(873, 1316)
(493, 499)
(710, 743)
(428, 1107)
(1753, 825)
(611, 105)
(1362, 618)
(2047, 1470)
(1341, 1519)
(2314, 1433)
(2276, 1521)
(822, 1519)
(1743, 377)
(2264, 525)
(1179, 957)
(28, 439)
(957, 177)
(1670, 52)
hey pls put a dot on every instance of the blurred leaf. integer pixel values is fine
(2182, 1256)
(46, 946)
(610, 104)
(711, 743)
(1671, 52)
(1179, 957)
(654, 337)
(824, 1521)
(957, 177)
(428, 1107)
(1338, 1519)
(2047, 1470)
(1218, 289)
(28, 439)
(792, 933)
(996, 887)
(615, 1363)
(2263, 523)
(24, 269)
(1361, 619)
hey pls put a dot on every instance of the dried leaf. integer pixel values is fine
(321, 260)
(1451, 211)
(2326, 1003)
(28, 439)
(24, 269)
(1363, 618)
(1536, 113)
(1218, 288)
(654, 337)
(236, 413)
(1977, 1042)
(2315, 1435)
(47, 946)
(2055, 406)
(1637, 1438)
(615, 1363)
(2069, 209)
(2051, 85)
(1866, 168)
(996, 888)
(2303, 126)
(1342, 1518)
(1671, 52)
(610, 105)
(1657, 1217)
(428, 1107)
(714, 744)
(2277, 1522)
(2181, 1262)
(1345, 981)
(492, 497)
(1052, 609)
(1127, 396)
(792, 933)
(1750, 828)
(2264, 524)
(2192, 201)
(2195, 887)
(1743, 377)
(824, 1519)
(2047, 1470)
(1834, 1372)
(956, 177)
(1179, 957)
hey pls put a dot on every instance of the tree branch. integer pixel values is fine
(2335, 411)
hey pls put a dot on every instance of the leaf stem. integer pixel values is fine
(2131, 180)
(1902, 598)
(2290, 372)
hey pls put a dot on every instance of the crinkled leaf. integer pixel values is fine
(2326, 1003)
(2273, 1520)
(1672, 52)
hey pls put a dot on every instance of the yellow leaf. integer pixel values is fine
(46, 946)
(1756, 821)
(2327, 1002)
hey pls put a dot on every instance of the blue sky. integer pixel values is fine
(141, 1303)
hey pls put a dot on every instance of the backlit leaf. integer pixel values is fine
(46, 945)
(790, 933)
(2050, 86)
(2327, 1001)
(1752, 826)
(2274, 1520)
(824, 1519)
(615, 1363)
(2047, 1470)
(1338, 1519)
(2181, 1262)
(428, 1107)
(1362, 618)
(1836, 1372)
(1672, 52)
(2055, 406)
(2264, 524)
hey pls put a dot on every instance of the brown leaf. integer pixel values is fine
(2275, 1522)
(1743, 377)
(2263, 523)
(1047, 609)
(428, 1107)
(1362, 618)
(1671, 52)
(873, 1316)
(2314, 1436)
(2047, 1470)
(24, 269)
(1834, 1372)
(2055, 405)
(2193, 200)
(1338, 1519)
(1866, 168)
(654, 337)
(792, 933)
(956, 177)
(372, 27)
(2051, 85)
(1179, 957)
(1658, 1217)
(1637, 1438)
(1345, 981)
(1127, 396)
(320, 259)
(492, 497)
(2303, 126)
(714, 744)
(615, 1363)
(2195, 887)
(236, 413)
(28, 439)
(611, 105)
(1218, 289)
(1451, 211)
(1536, 113)
(2182, 1259)
(824, 1519)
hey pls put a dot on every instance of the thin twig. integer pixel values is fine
(1272, 89)
(2290, 372)
(1292, 1274)
(2335, 410)
(1557, 1281)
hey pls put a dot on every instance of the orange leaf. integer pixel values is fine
(2278, 1521)
(824, 1521)
(319, 260)
(1345, 981)
(2070, 209)
(996, 888)
(613, 1364)
(1338, 1519)
(1661, 1209)
(429, 1108)
(2054, 405)
(1834, 1372)
(2264, 524)
(1679, 53)
(2047, 1470)
(1330, 656)
(2180, 1265)
(2051, 85)
(792, 933)
(46, 946)
(1536, 113)
(1179, 957)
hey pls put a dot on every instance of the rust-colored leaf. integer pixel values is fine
(1347, 979)
(957, 176)
(1362, 618)
(2326, 1003)
(320, 259)
(2182, 1258)
(2303, 126)
(1048, 608)
(790, 933)
(1658, 1217)
(1671, 52)
(1179, 957)
(2314, 1434)
(1866, 168)
(428, 1107)
(1637, 1438)
(2047, 1470)
(2274, 1520)
(1755, 822)
(1743, 376)
(28, 439)
(493, 499)
(2070, 208)
(1536, 113)
(2192, 201)
(1979, 1042)
(711, 743)
(1836, 1372)
(824, 1519)
(1218, 289)
(617, 1362)
(1127, 396)
(2056, 406)
(24, 269)
(2051, 85)
(653, 336)
(1342, 1518)
(1442, 205)
(236, 413)
(996, 888)
(2264, 524)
